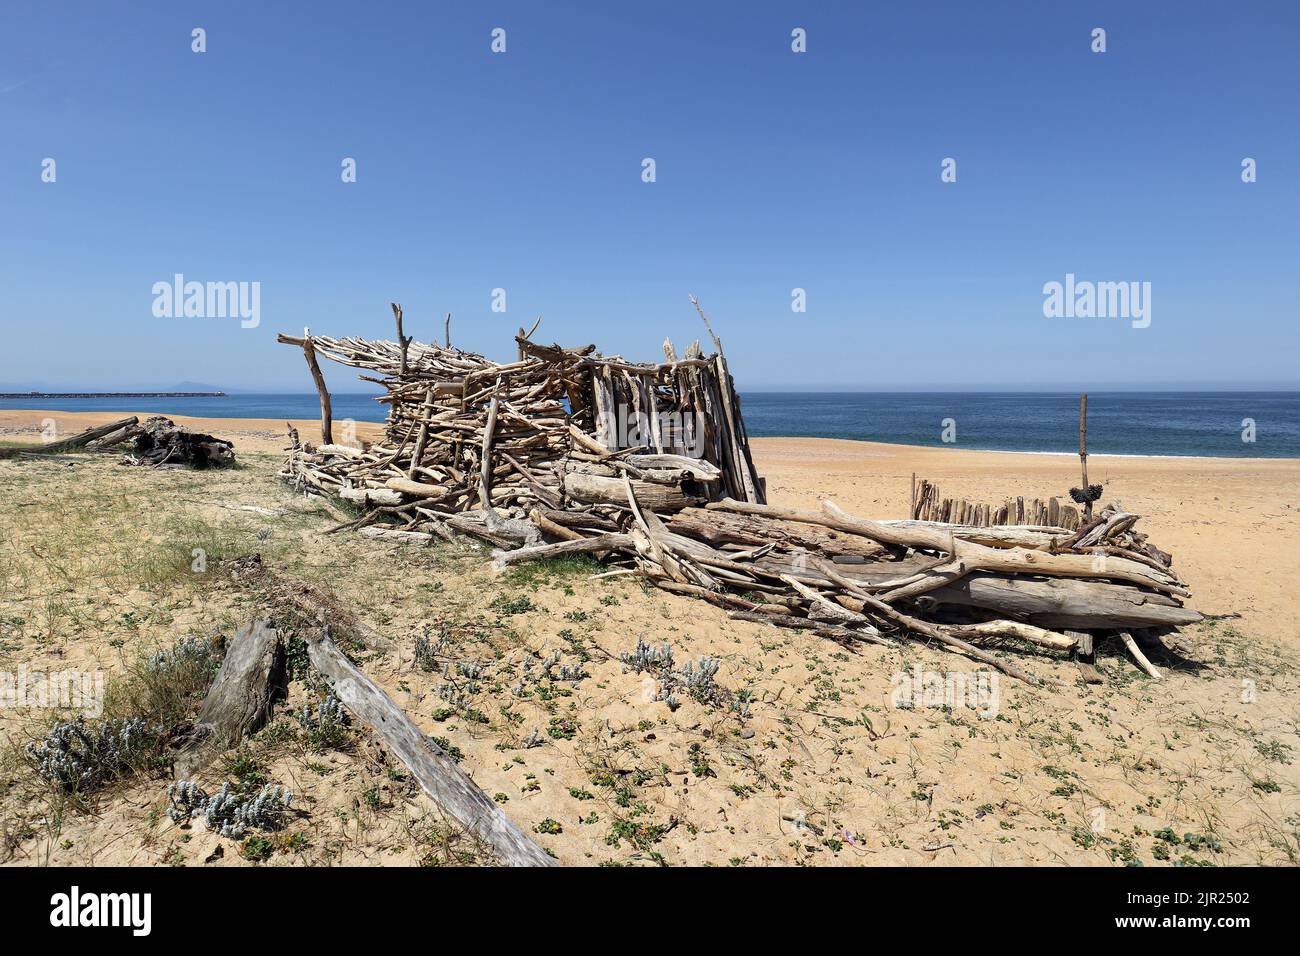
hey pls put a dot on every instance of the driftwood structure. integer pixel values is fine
(648, 466)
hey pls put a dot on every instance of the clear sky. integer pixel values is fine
(775, 170)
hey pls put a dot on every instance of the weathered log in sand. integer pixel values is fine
(439, 777)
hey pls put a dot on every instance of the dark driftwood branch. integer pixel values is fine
(444, 782)
(239, 701)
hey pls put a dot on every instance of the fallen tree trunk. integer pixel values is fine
(444, 782)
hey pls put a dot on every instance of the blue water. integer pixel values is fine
(1119, 423)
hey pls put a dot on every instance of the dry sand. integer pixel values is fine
(827, 770)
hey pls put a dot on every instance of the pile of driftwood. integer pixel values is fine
(158, 442)
(537, 457)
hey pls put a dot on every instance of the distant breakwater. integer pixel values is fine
(112, 394)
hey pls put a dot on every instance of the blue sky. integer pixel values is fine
(775, 170)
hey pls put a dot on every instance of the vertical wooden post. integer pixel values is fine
(403, 341)
(421, 439)
(1083, 450)
(485, 464)
(326, 412)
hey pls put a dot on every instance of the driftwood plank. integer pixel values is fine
(444, 782)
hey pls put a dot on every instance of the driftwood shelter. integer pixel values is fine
(648, 467)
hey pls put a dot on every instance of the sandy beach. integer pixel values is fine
(1233, 524)
(98, 572)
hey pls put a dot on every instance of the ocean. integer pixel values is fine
(1119, 423)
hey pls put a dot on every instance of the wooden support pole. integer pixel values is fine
(422, 437)
(326, 412)
(485, 460)
(403, 341)
(1083, 450)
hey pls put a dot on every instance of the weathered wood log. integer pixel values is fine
(114, 437)
(1112, 525)
(371, 497)
(699, 468)
(945, 636)
(344, 451)
(239, 701)
(580, 519)
(81, 439)
(399, 537)
(445, 783)
(547, 526)
(597, 489)
(993, 536)
(419, 489)
(1061, 603)
(931, 535)
(976, 557)
(720, 528)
